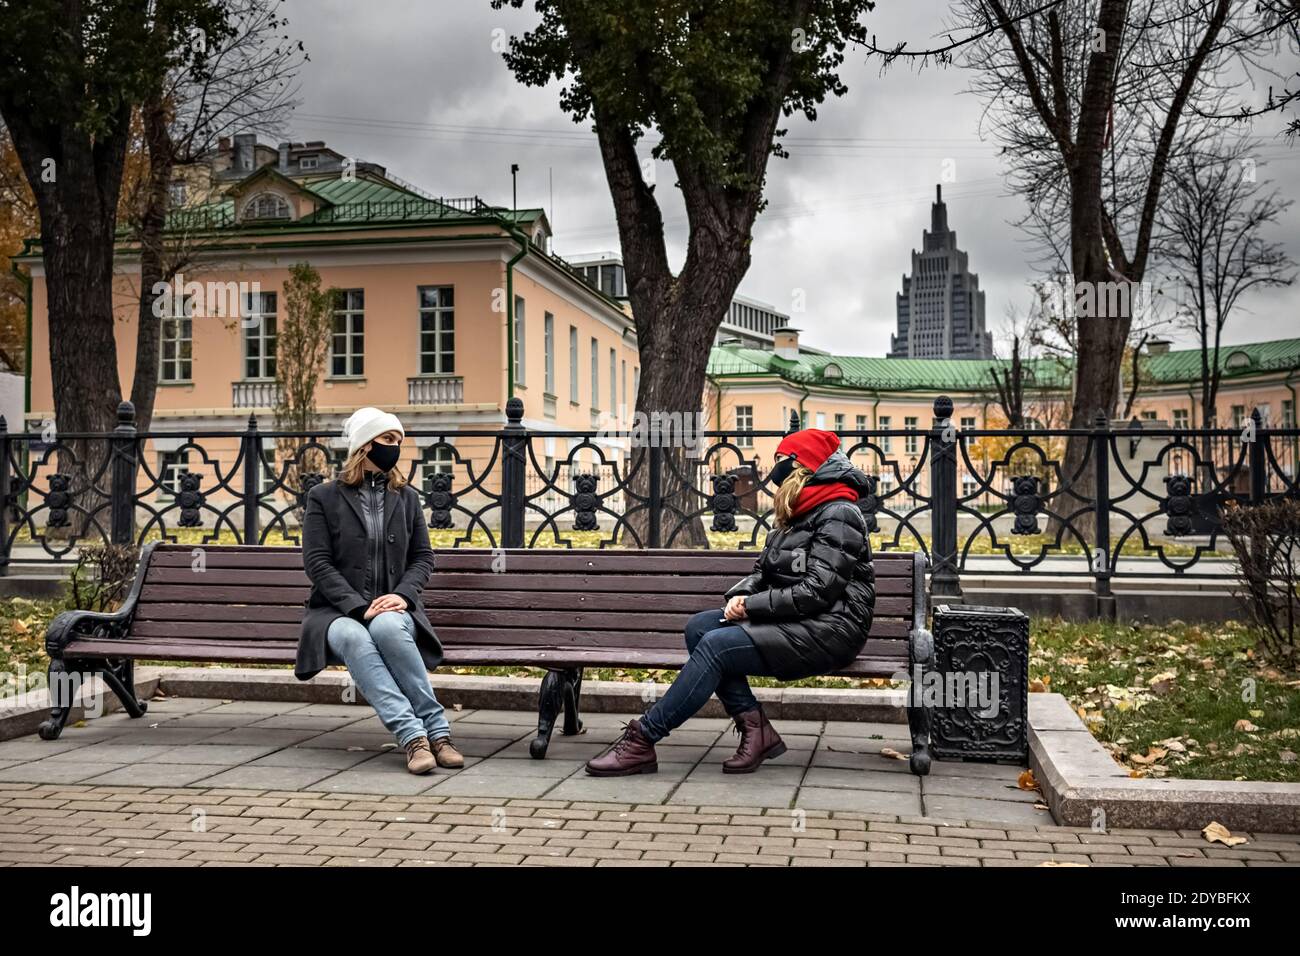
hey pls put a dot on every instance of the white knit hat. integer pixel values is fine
(367, 424)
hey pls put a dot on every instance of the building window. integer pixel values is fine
(613, 381)
(266, 206)
(622, 383)
(573, 364)
(745, 423)
(308, 162)
(176, 193)
(839, 423)
(909, 443)
(548, 350)
(347, 351)
(520, 339)
(171, 465)
(1148, 416)
(437, 330)
(595, 375)
(883, 423)
(968, 423)
(968, 486)
(821, 420)
(259, 335)
(1180, 418)
(176, 344)
(1288, 413)
(860, 423)
(1238, 416)
(438, 461)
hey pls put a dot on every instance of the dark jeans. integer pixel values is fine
(722, 655)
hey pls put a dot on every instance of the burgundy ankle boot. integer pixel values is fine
(631, 753)
(759, 741)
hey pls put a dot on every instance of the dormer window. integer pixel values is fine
(1238, 360)
(832, 372)
(266, 206)
(308, 162)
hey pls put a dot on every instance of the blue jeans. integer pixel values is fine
(722, 655)
(388, 670)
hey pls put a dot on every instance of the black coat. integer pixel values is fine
(812, 593)
(334, 555)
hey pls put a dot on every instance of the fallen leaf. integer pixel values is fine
(1244, 726)
(1037, 686)
(1061, 863)
(1026, 780)
(1256, 713)
(1218, 833)
(890, 752)
(1151, 756)
(1041, 806)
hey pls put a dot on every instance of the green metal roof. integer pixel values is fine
(366, 199)
(895, 374)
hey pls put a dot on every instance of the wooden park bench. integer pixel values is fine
(562, 610)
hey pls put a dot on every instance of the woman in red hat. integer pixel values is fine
(805, 610)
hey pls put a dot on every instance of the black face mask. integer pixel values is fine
(384, 456)
(782, 470)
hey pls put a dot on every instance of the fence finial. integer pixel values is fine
(943, 407)
(515, 410)
(125, 413)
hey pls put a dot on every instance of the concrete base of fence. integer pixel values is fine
(1075, 604)
(470, 691)
(1086, 788)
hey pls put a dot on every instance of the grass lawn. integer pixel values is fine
(1176, 699)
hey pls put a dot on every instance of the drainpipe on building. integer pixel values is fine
(26, 279)
(520, 238)
(717, 390)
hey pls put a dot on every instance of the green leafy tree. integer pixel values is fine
(713, 78)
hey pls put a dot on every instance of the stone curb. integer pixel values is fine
(1079, 780)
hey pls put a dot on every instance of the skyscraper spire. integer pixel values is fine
(941, 307)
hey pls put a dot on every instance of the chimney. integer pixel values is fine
(1157, 346)
(787, 343)
(245, 144)
(284, 158)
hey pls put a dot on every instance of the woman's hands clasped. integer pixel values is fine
(385, 602)
(735, 610)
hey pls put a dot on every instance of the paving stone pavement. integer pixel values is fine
(207, 782)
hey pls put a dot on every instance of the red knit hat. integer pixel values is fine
(810, 447)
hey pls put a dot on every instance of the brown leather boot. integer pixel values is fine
(419, 758)
(447, 755)
(759, 741)
(631, 753)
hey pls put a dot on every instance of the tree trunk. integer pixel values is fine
(153, 220)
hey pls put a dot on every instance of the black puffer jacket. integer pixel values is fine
(810, 599)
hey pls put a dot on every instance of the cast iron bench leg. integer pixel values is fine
(920, 654)
(118, 674)
(60, 701)
(550, 699)
(572, 692)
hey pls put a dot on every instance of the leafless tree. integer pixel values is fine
(1213, 240)
(248, 83)
(1091, 100)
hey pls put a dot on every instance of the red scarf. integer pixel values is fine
(814, 495)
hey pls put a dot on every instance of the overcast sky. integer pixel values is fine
(416, 86)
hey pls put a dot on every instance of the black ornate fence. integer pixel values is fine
(1143, 501)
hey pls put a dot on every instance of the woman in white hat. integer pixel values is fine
(366, 549)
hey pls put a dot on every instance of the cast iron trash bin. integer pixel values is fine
(978, 683)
